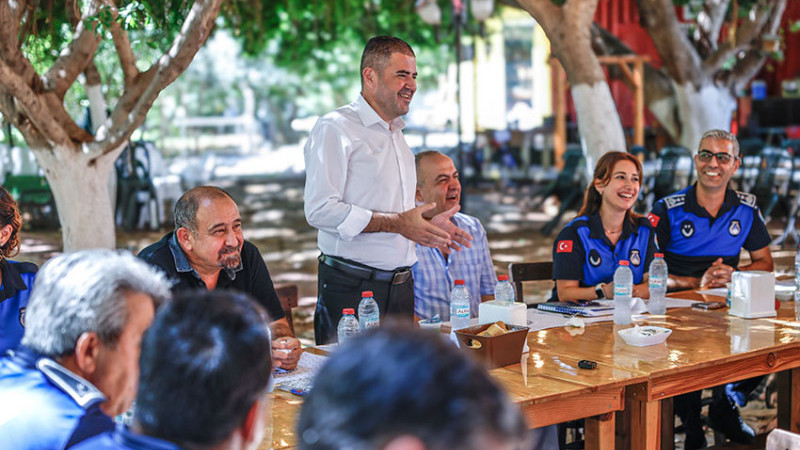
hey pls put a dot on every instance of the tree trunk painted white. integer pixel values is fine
(599, 124)
(701, 110)
(80, 189)
(98, 112)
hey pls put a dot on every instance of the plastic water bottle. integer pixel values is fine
(504, 291)
(368, 314)
(658, 285)
(797, 268)
(348, 325)
(459, 306)
(623, 291)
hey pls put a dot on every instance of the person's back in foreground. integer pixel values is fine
(404, 388)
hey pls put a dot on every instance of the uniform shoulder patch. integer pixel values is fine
(80, 390)
(674, 201)
(746, 199)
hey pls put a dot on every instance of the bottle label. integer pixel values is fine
(370, 322)
(657, 283)
(622, 291)
(462, 311)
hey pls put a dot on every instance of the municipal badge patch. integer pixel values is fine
(687, 228)
(22, 316)
(734, 228)
(594, 258)
(635, 258)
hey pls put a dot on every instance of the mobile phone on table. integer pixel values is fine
(708, 305)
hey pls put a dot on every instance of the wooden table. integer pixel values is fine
(706, 349)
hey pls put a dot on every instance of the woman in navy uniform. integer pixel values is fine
(606, 231)
(17, 277)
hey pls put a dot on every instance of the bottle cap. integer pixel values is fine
(459, 282)
(348, 311)
(623, 263)
(502, 278)
(658, 255)
(366, 294)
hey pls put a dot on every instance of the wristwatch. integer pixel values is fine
(598, 290)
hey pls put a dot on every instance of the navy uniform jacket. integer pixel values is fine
(15, 288)
(45, 406)
(124, 439)
(252, 277)
(583, 252)
(692, 240)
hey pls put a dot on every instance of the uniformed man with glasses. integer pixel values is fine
(702, 230)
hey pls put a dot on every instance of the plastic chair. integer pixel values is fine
(675, 171)
(771, 185)
(568, 187)
(34, 197)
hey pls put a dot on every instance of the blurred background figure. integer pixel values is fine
(78, 363)
(406, 388)
(17, 277)
(206, 374)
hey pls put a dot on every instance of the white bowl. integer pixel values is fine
(644, 336)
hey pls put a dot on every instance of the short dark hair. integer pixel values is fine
(379, 49)
(205, 361)
(185, 213)
(397, 380)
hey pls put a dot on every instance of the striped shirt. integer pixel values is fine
(434, 275)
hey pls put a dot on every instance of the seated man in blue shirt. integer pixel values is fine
(702, 231)
(437, 268)
(205, 377)
(78, 362)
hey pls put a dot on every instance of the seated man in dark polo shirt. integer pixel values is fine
(207, 251)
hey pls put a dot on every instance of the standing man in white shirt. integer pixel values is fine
(359, 194)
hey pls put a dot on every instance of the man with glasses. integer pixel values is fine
(702, 230)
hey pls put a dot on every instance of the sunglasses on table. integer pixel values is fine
(722, 157)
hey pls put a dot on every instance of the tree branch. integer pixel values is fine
(134, 104)
(127, 60)
(679, 56)
(73, 59)
(30, 103)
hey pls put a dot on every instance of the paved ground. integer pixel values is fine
(273, 214)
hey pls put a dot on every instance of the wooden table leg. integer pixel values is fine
(645, 419)
(788, 407)
(667, 425)
(600, 432)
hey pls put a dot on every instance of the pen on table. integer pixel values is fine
(300, 392)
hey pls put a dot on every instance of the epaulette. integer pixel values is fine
(80, 390)
(675, 200)
(746, 199)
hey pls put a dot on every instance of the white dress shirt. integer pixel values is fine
(357, 164)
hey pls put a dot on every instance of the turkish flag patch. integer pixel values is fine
(564, 247)
(653, 219)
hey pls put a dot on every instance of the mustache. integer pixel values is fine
(226, 250)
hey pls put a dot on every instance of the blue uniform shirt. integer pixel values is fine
(124, 439)
(44, 405)
(15, 288)
(583, 252)
(692, 240)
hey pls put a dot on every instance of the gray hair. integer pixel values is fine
(186, 208)
(79, 292)
(723, 136)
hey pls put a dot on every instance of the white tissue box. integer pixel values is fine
(752, 294)
(513, 314)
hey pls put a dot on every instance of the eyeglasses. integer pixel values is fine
(722, 157)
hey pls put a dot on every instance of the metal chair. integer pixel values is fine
(771, 185)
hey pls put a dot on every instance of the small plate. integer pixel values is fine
(644, 336)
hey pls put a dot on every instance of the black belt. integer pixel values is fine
(397, 276)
